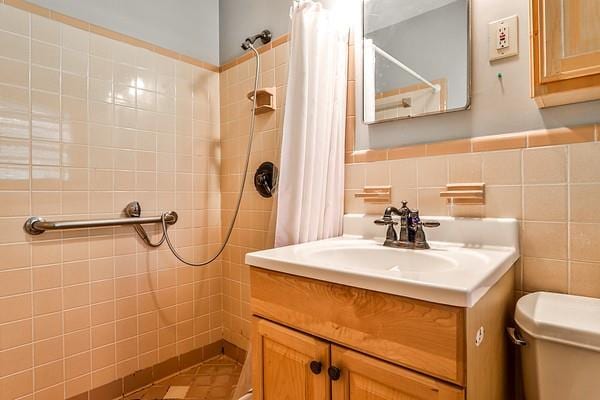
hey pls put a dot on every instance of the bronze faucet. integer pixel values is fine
(412, 235)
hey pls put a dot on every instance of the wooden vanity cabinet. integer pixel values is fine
(316, 340)
(565, 51)
(280, 371)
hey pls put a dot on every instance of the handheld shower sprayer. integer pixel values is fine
(134, 209)
(265, 37)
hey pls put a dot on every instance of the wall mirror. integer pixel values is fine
(416, 58)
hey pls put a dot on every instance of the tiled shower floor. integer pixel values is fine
(214, 379)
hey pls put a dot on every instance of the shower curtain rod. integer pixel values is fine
(38, 225)
(398, 63)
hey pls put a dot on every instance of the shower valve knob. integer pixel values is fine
(316, 367)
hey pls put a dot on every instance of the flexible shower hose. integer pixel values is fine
(165, 234)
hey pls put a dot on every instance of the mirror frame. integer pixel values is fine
(469, 72)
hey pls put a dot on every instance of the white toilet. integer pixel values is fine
(561, 351)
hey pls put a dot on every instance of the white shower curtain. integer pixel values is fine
(311, 184)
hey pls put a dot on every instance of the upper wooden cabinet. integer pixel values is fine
(565, 49)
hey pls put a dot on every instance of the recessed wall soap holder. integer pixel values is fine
(465, 193)
(265, 100)
(376, 194)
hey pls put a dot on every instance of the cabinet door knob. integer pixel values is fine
(316, 367)
(334, 373)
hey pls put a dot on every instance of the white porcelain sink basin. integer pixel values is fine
(466, 258)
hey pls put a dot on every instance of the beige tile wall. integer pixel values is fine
(254, 229)
(88, 124)
(554, 191)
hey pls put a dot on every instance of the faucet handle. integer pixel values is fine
(385, 221)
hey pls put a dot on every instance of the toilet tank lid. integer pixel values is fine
(561, 318)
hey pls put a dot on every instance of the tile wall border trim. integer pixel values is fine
(247, 56)
(98, 30)
(508, 141)
(144, 377)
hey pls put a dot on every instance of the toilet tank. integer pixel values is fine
(561, 360)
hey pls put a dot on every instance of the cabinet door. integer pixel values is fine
(570, 38)
(366, 378)
(282, 367)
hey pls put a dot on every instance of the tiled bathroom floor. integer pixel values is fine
(214, 379)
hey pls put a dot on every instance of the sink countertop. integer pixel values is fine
(467, 257)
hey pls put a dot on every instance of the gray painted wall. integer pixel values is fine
(413, 41)
(189, 27)
(498, 105)
(243, 18)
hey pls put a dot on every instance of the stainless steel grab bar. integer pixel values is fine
(38, 225)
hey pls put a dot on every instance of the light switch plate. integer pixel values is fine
(503, 38)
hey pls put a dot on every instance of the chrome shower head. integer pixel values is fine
(265, 37)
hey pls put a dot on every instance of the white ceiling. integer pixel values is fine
(382, 13)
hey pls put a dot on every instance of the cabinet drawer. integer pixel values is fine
(423, 336)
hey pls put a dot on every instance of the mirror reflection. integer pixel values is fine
(416, 58)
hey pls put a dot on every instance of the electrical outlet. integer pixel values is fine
(503, 38)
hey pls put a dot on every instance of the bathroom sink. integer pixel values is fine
(352, 255)
(467, 257)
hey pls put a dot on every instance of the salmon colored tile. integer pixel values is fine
(14, 20)
(78, 385)
(14, 256)
(544, 240)
(51, 393)
(585, 279)
(502, 167)
(76, 319)
(47, 326)
(18, 385)
(545, 275)
(16, 359)
(585, 242)
(15, 282)
(407, 152)
(545, 165)
(77, 342)
(449, 147)
(45, 30)
(499, 142)
(15, 308)
(280, 40)
(15, 334)
(46, 351)
(584, 203)
(29, 7)
(465, 168)
(584, 163)
(553, 137)
(545, 203)
(47, 301)
(503, 202)
(69, 21)
(430, 202)
(432, 172)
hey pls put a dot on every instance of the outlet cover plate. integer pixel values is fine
(507, 46)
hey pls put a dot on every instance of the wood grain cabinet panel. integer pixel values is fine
(366, 378)
(281, 364)
(376, 346)
(565, 50)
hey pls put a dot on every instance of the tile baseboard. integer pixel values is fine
(144, 377)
